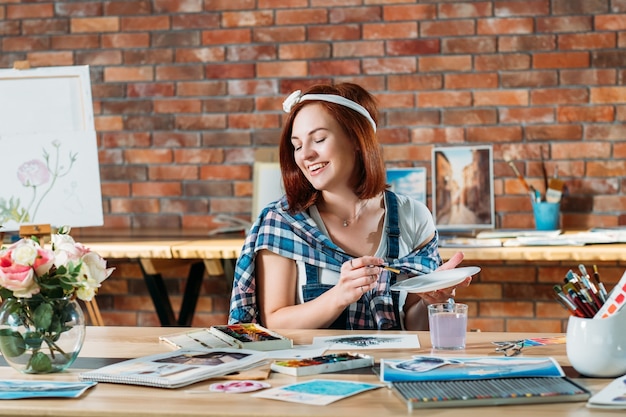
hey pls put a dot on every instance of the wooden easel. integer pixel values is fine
(43, 233)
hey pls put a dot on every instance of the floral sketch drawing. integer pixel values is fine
(40, 176)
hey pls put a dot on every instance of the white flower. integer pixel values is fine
(25, 253)
(292, 100)
(66, 249)
(94, 268)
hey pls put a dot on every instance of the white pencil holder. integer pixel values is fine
(597, 347)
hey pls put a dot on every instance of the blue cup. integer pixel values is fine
(546, 215)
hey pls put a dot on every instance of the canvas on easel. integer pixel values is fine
(49, 163)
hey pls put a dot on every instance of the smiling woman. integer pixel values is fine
(329, 251)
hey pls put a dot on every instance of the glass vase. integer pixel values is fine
(39, 335)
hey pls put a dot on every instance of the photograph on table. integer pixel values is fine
(462, 193)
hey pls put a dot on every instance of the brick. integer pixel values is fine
(44, 27)
(50, 59)
(108, 123)
(247, 19)
(504, 26)
(148, 56)
(443, 28)
(608, 95)
(525, 8)
(579, 114)
(470, 81)
(526, 115)
(412, 82)
(225, 36)
(615, 132)
(588, 77)
(302, 17)
(347, 15)
(94, 24)
(438, 135)
(75, 42)
(533, 79)
(123, 174)
(501, 62)
(125, 139)
(445, 63)
(178, 72)
(444, 99)
(77, 9)
(228, 105)
(501, 98)
(225, 172)
(177, 106)
(224, 71)
(125, 40)
(148, 156)
(134, 205)
(413, 47)
(460, 9)
(580, 6)
(587, 41)
(29, 11)
(395, 101)
(116, 74)
(25, 43)
(201, 88)
(610, 22)
(469, 117)
(195, 21)
(494, 134)
(410, 152)
(606, 59)
(9, 28)
(561, 60)
(526, 43)
(251, 53)
(334, 67)
(581, 150)
(417, 12)
(177, 39)
(150, 89)
(564, 24)
(128, 7)
(176, 139)
(98, 58)
(375, 31)
(177, 6)
(115, 189)
(389, 65)
(207, 121)
(338, 32)
(144, 23)
(603, 169)
(413, 118)
(559, 96)
(253, 121)
(341, 50)
(469, 45)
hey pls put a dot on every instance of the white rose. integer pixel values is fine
(65, 249)
(86, 292)
(25, 252)
(94, 268)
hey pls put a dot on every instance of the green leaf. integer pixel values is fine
(11, 343)
(40, 362)
(33, 339)
(43, 316)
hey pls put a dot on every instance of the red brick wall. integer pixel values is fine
(187, 93)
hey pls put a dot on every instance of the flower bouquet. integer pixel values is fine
(42, 326)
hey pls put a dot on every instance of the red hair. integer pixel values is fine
(370, 177)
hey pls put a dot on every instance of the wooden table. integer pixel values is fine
(131, 401)
(216, 255)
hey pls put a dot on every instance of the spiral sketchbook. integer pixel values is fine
(177, 368)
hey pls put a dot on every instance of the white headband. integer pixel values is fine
(297, 97)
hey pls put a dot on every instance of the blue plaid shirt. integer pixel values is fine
(297, 237)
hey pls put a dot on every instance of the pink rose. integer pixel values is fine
(33, 173)
(17, 278)
(66, 249)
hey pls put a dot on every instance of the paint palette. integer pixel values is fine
(436, 280)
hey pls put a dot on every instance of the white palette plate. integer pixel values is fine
(436, 280)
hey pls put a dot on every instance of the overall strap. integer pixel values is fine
(393, 245)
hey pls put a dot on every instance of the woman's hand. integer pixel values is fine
(358, 276)
(442, 295)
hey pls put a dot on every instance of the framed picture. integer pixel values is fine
(408, 181)
(463, 196)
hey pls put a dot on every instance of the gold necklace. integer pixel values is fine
(346, 222)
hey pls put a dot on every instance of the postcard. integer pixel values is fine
(317, 391)
(14, 389)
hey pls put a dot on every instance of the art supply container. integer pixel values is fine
(597, 347)
(448, 325)
(546, 215)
